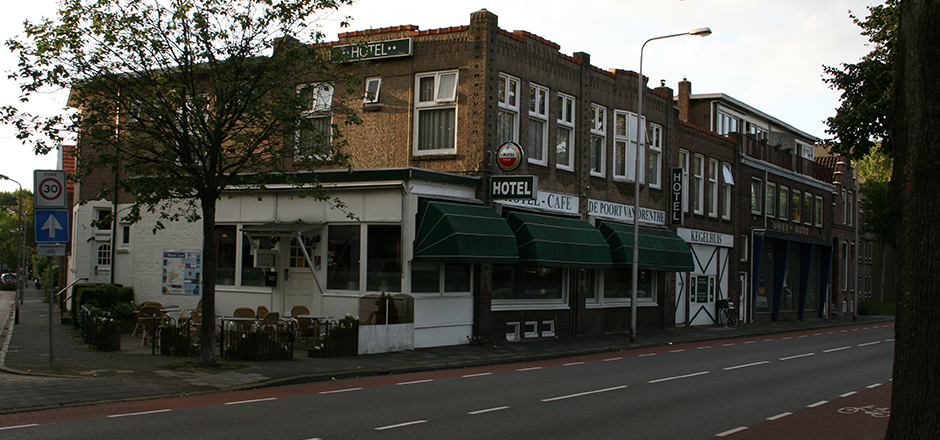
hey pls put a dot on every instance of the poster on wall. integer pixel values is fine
(181, 272)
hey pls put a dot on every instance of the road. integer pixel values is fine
(693, 391)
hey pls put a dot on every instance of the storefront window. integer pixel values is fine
(765, 279)
(226, 250)
(343, 257)
(812, 287)
(527, 283)
(384, 258)
(251, 275)
(791, 282)
(426, 278)
(617, 284)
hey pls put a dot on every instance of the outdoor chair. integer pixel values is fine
(262, 311)
(304, 330)
(244, 312)
(151, 320)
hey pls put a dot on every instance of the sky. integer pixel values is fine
(768, 54)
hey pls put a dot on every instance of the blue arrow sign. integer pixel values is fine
(52, 225)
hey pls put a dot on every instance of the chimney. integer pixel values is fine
(683, 99)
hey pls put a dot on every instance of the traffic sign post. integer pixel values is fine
(49, 191)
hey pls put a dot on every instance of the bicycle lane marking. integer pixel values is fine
(856, 415)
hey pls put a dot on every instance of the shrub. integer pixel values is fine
(875, 308)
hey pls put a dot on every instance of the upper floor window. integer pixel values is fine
(819, 211)
(625, 145)
(314, 136)
(727, 184)
(508, 117)
(564, 134)
(435, 113)
(373, 86)
(783, 198)
(807, 208)
(698, 184)
(726, 123)
(598, 140)
(850, 210)
(795, 212)
(712, 188)
(756, 196)
(684, 164)
(538, 124)
(770, 199)
(654, 156)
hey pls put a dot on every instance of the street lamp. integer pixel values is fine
(21, 256)
(702, 32)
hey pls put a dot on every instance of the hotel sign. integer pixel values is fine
(375, 50)
(676, 196)
(513, 187)
(548, 201)
(624, 213)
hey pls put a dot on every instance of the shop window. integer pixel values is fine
(617, 286)
(343, 257)
(598, 140)
(435, 113)
(564, 134)
(235, 264)
(528, 283)
(438, 278)
(765, 279)
(508, 116)
(383, 258)
(538, 124)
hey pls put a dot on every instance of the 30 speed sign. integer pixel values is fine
(49, 191)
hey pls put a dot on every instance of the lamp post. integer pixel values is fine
(703, 32)
(21, 256)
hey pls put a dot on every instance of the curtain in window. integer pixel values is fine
(436, 129)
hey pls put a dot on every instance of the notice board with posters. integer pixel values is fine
(182, 272)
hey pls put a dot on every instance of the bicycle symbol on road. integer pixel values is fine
(870, 410)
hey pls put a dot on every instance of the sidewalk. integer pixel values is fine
(81, 376)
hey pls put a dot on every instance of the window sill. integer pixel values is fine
(434, 157)
(619, 304)
(511, 305)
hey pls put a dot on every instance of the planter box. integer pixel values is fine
(339, 339)
(258, 346)
(107, 338)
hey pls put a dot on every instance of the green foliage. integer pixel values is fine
(866, 86)
(110, 299)
(880, 211)
(874, 308)
(10, 226)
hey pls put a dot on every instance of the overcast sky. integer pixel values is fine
(767, 53)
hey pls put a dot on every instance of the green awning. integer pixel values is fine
(448, 232)
(660, 249)
(558, 242)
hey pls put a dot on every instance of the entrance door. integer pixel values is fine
(299, 285)
(702, 299)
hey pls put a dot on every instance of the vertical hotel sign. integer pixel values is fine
(675, 201)
(374, 50)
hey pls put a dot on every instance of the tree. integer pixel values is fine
(10, 227)
(874, 172)
(862, 117)
(916, 150)
(182, 99)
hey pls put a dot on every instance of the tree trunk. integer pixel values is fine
(207, 349)
(915, 134)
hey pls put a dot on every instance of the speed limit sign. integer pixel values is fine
(49, 191)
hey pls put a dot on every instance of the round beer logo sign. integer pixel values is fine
(509, 156)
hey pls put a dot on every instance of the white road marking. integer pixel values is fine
(400, 425)
(344, 390)
(850, 393)
(768, 340)
(415, 382)
(869, 343)
(140, 413)
(476, 375)
(836, 349)
(249, 401)
(727, 345)
(797, 356)
(529, 369)
(679, 377)
(612, 359)
(803, 336)
(749, 342)
(779, 416)
(820, 403)
(817, 334)
(677, 351)
(647, 354)
(704, 347)
(731, 431)
(484, 411)
(788, 337)
(19, 426)
(746, 365)
(552, 399)
(876, 385)
(571, 363)
(889, 340)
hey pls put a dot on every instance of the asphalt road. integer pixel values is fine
(693, 391)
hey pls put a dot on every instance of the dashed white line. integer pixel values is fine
(529, 369)
(678, 377)
(731, 431)
(415, 382)
(803, 336)
(647, 354)
(820, 403)
(569, 364)
(768, 340)
(484, 411)
(797, 356)
(749, 342)
(869, 343)
(874, 385)
(703, 347)
(677, 351)
(344, 390)
(249, 401)
(889, 340)
(401, 425)
(552, 399)
(19, 426)
(779, 416)
(139, 413)
(746, 365)
(476, 375)
(727, 345)
(850, 393)
(836, 349)
(788, 337)
(612, 359)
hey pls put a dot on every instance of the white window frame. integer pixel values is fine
(444, 98)
(757, 196)
(508, 99)
(598, 142)
(698, 174)
(318, 108)
(713, 188)
(684, 164)
(598, 300)
(566, 119)
(654, 156)
(818, 212)
(538, 112)
(770, 199)
(727, 182)
(625, 140)
(537, 304)
(373, 87)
